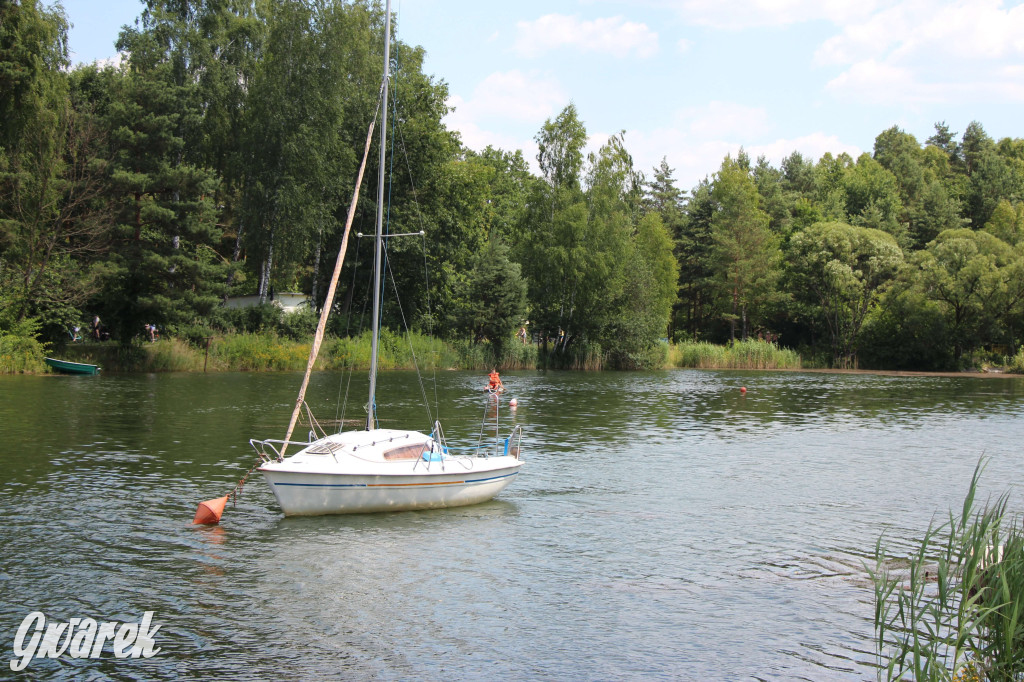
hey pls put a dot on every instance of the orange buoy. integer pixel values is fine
(743, 389)
(211, 510)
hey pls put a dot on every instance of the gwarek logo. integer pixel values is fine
(81, 638)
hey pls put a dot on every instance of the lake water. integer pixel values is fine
(665, 525)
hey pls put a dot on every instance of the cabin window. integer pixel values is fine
(405, 452)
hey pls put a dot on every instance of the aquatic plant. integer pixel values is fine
(256, 352)
(586, 356)
(171, 355)
(749, 354)
(405, 351)
(956, 610)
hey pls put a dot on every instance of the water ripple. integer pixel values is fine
(665, 526)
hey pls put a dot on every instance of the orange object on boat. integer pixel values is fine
(211, 510)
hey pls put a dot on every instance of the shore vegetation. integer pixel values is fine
(954, 609)
(215, 165)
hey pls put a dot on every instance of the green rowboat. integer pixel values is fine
(72, 367)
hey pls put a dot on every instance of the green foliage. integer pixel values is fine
(482, 356)
(698, 289)
(171, 355)
(166, 271)
(252, 319)
(407, 351)
(560, 149)
(1017, 363)
(586, 356)
(53, 219)
(955, 610)
(974, 277)
(750, 354)
(747, 253)
(1007, 222)
(648, 294)
(20, 349)
(492, 297)
(905, 331)
(873, 198)
(299, 325)
(222, 158)
(844, 268)
(259, 352)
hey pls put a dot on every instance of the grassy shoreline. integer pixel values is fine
(263, 352)
(270, 352)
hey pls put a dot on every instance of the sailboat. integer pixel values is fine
(373, 469)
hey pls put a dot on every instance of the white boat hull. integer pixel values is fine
(387, 486)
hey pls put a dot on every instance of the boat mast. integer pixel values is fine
(371, 407)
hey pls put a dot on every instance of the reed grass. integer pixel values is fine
(484, 356)
(750, 354)
(406, 351)
(171, 355)
(20, 354)
(955, 609)
(258, 352)
(1016, 363)
(166, 355)
(271, 352)
(518, 355)
(587, 357)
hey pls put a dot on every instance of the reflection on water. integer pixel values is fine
(665, 524)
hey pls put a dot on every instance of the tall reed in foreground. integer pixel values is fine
(956, 611)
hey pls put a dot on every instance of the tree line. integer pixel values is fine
(219, 158)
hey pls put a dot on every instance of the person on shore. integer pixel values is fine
(96, 327)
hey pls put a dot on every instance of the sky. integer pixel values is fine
(690, 81)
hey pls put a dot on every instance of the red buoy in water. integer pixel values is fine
(743, 389)
(211, 510)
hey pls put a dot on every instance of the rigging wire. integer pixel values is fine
(341, 405)
(345, 381)
(397, 133)
(408, 334)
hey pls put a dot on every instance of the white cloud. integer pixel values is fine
(918, 51)
(874, 81)
(516, 95)
(742, 14)
(614, 36)
(694, 155)
(477, 138)
(690, 158)
(113, 62)
(811, 146)
(880, 83)
(502, 101)
(917, 30)
(724, 119)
